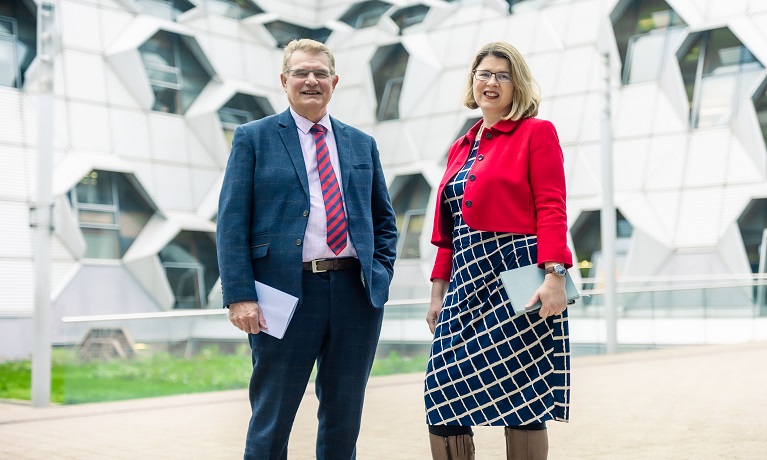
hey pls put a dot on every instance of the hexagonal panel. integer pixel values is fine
(365, 14)
(191, 267)
(284, 32)
(717, 69)
(112, 209)
(409, 16)
(410, 197)
(176, 75)
(241, 109)
(388, 67)
(644, 31)
(18, 41)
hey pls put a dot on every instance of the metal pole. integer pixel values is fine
(608, 218)
(41, 217)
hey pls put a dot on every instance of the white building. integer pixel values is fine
(148, 92)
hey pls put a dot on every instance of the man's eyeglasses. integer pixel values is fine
(303, 74)
(485, 75)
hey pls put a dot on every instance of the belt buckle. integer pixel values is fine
(314, 266)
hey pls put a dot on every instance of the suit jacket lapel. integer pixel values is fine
(289, 134)
(344, 148)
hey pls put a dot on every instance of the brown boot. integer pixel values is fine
(459, 447)
(526, 444)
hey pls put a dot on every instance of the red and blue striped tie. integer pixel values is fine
(331, 193)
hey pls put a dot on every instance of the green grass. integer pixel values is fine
(153, 374)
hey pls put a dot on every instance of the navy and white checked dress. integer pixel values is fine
(488, 367)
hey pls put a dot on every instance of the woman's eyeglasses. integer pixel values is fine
(486, 75)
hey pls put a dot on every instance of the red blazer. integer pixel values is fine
(519, 187)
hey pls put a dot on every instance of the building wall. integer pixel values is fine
(682, 189)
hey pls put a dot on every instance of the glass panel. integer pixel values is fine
(158, 8)
(159, 51)
(194, 77)
(8, 63)
(689, 67)
(716, 98)
(197, 249)
(751, 224)
(158, 74)
(388, 67)
(166, 100)
(409, 16)
(7, 27)
(233, 117)
(135, 212)
(390, 101)
(96, 217)
(101, 243)
(284, 32)
(411, 241)
(235, 9)
(96, 188)
(644, 57)
(761, 112)
(185, 282)
(365, 14)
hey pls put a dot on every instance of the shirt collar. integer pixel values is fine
(304, 124)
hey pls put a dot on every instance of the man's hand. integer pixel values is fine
(247, 317)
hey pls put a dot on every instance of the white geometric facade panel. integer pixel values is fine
(81, 26)
(89, 86)
(681, 187)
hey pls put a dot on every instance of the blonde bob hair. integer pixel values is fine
(525, 99)
(309, 46)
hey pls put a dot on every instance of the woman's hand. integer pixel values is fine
(438, 289)
(552, 295)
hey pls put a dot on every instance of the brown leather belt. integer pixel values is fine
(326, 265)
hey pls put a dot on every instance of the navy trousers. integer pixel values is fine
(335, 326)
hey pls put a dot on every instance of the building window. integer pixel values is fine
(241, 109)
(587, 239)
(388, 66)
(718, 70)
(645, 31)
(752, 224)
(285, 32)
(411, 196)
(18, 41)
(111, 211)
(760, 103)
(176, 76)
(165, 9)
(409, 16)
(365, 14)
(191, 267)
(235, 9)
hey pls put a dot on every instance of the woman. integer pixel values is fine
(501, 205)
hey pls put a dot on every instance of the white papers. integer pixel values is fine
(277, 308)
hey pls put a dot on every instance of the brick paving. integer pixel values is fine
(688, 403)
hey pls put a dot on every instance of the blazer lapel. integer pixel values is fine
(289, 134)
(343, 146)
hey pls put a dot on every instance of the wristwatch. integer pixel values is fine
(557, 269)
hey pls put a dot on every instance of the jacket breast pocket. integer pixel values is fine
(259, 250)
(363, 166)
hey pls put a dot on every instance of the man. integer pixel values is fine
(304, 208)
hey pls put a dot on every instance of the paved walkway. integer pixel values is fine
(692, 403)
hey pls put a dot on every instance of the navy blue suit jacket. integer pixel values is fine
(264, 204)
